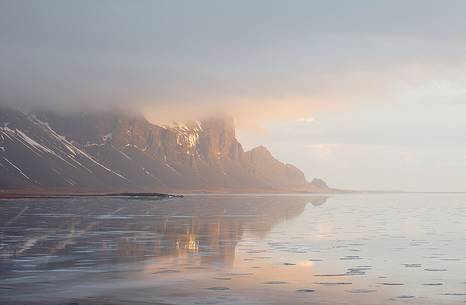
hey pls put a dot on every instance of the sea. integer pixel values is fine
(235, 249)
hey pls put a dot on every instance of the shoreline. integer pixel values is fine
(76, 195)
(157, 195)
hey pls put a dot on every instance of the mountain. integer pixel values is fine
(115, 150)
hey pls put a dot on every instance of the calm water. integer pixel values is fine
(345, 249)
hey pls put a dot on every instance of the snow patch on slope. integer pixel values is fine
(75, 151)
(17, 168)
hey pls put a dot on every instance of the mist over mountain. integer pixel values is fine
(115, 150)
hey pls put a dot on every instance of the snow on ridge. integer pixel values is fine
(93, 144)
(37, 148)
(98, 163)
(108, 136)
(180, 126)
(6, 132)
(68, 145)
(17, 168)
(173, 169)
(187, 134)
(73, 149)
(189, 139)
(125, 155)
(19, 136)
(34, 143)
(134, 146)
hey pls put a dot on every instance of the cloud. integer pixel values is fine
(383, 81)
(263, 61)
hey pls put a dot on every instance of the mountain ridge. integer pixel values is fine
(120, 151)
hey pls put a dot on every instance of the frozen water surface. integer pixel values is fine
(235, 249)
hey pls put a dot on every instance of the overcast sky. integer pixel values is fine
(365, 94)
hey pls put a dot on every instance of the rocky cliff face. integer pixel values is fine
(114, 150)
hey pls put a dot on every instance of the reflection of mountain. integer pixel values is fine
(214, 227)
(318, 200)
(111, 230)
